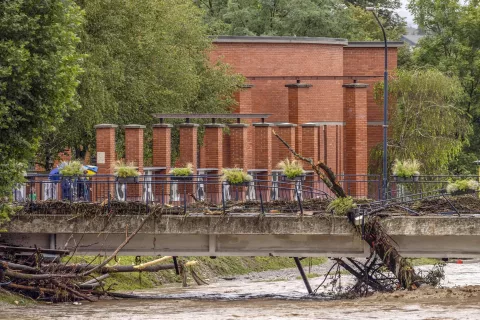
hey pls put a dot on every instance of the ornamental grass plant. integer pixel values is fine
(125, 170)
(406, 168)
(71, 168)
(464, 185)
(291, 168)
(183, 172)
(235, 176)
(341, 206)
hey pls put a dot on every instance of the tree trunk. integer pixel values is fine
(374, 234)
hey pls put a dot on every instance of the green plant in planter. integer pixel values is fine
(124, 170)
(462, 186)
(291, 169)
(71, 168)
(406, 169)
(183, 172)
(235, 176)
(341, 206)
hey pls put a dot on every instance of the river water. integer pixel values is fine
(276, 295)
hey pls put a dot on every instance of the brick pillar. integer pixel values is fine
(300, 108)
(239, 151)
(188, 154)
(287, 132)
(263, 156)
(214, 159)
(310, 150)
(162, 157)
(245, 105)
(356, 152)
(188, 144)
(134, 155)
(310, 142)
(105, 136)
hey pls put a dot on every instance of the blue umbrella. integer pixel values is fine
(54, 175)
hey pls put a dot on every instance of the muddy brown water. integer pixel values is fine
(276, 295)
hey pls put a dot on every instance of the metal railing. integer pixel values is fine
(203, 190)
(210, 189)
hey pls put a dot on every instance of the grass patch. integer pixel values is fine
(7, 297)
(423, 261)
(206, 267)
(309, 276)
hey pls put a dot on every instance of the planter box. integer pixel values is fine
(182, 178)
(298, 178)
(127, 179)
(242, 184)
(463, 192)
(403, 179)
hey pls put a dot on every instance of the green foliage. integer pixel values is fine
(427, 122)
(124, 170)
(452, 44)
(307, 18)
(145, 57)
(7, 210)
(406, 169)
(221, 266)
(291, 169)
(183, 172)
(39, 65)
(235, 176)
(71, 168)
(341, 206)
(462, 185)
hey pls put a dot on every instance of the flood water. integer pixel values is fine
(276, 295)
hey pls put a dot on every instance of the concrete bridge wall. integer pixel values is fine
(244, 235)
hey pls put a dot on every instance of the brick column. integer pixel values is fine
(239, 151)
(188, 154)
(287, 132)
(188, 144)
(300, 108)
(134, 154)
(245, 105)
(356, 151)
(105, 136)
(263, 156)
(162, 157)
(213, 141)
(310, 150)
(310, 142)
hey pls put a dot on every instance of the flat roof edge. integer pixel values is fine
(272, 39)
(374, 44)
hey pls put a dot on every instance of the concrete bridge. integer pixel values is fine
(243, 235)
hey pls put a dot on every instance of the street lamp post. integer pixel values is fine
(385, 108)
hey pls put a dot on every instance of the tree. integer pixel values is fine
(427, 123)
(39, 66)
(452, 45)
(310, 18)
(144, 57)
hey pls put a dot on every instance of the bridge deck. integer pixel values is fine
(244, 235)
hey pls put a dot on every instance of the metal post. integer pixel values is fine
(175, 263)
(184, 197)
(302, 273)
(385, 107)
(261, 201)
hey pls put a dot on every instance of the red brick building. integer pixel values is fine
(319, 92)
(313, 81)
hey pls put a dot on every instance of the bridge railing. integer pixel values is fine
(423, 185)
(209, 188)
(168, 189)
